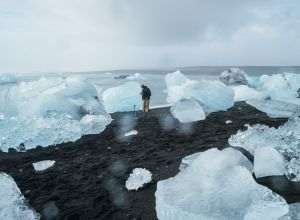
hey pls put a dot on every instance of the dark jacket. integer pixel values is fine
(146, 92)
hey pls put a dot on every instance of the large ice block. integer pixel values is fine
(213, 95)
(188, 110)
(244, 93)
(125, 97)
(285, 139)
(216, 185)
(12, 202)
(268, 162)
(49, 111)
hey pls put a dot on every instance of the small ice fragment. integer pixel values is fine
(228, 122)
(138, 178)
(268, 162)
(130, 133)
(43, 165)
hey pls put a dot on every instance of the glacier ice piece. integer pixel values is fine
(188, 110)
(43, 165)
(268, 162)
(285, 139)
(130, 133)
(294, 212)
(243, 93)
(234, 76)
(216, 185)
(275, 108)
(213, 95)
(228, 122)
(49, 111)
(136, 76)
(12, 202)
(94, 124)
(282, 87)
(138, 178)
(125, 97)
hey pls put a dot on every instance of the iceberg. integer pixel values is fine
(216, 185)
(43, 165)
(187, 110)
(213, 95)
(12, 203)
(233, 76)
(268, 162)
(125, 97)
(285, 139)
(49, 112)
(138, 178)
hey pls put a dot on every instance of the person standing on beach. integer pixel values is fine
(146, 94)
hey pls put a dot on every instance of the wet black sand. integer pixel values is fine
(88, 179)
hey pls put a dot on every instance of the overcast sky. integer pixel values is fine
(83, 35)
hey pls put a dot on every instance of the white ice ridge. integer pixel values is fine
(43, 165)
(7, 78)
(12, 202)
(49, 112)
(138, 178)
(282, 87)
(285, 139)
(130, 133)
(213, 95)
(275, 108)
(234, 76)
(188, 110)
(277, 95)
(125, 97)
(216, 185)
(268, 162)
(135, 76)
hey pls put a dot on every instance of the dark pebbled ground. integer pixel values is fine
(88, 179)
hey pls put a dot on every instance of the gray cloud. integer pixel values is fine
(75, 35)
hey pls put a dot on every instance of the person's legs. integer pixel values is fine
(144, 105)
(147, 105)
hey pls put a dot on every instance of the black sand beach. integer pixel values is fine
(88, 179)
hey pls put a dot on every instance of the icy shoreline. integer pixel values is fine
(86, 165)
